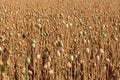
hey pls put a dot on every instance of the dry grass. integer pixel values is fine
(59, 40)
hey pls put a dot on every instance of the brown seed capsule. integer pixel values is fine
(94, 64)
(104, 68)
(45, 66)
(69, 65)
(115, 38)
(101, 51)
(87, 50)
(38, 56)
(30, 72)
(51, 72)
(108, 60)
(63, 22)
(98, 57)
(88, 41)
(58, 53)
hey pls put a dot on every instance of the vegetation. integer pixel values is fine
(59, 40)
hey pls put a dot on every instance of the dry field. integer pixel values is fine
(59, 40)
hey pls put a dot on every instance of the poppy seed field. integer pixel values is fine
(59, 40)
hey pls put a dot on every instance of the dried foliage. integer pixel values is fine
(59, 40)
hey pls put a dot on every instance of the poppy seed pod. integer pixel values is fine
(69, 65)
(33, 41)
(101, 51)
(58, 53)
(38, 56)
(30, 72)
(71, 58)
(45, 66)
(33, 45)
(27, 60)
(87, 50)
(51, 72)
(38, 26)
(2, 38)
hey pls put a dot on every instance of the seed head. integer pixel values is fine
(38, 56)
(101, 51)
(45, 66)
(27, 60)
(30, 72)
(51, 72)
(69, 65)
(58, 53)
(71, 58)
(87, 50)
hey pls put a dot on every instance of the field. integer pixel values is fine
(59, 40)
